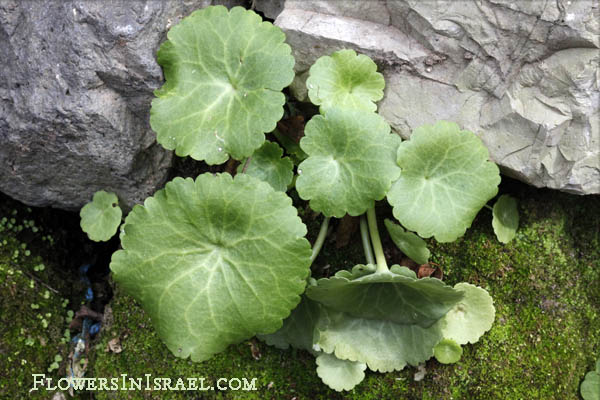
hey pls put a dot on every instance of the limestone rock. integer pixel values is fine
(76, 81)
(523, 75)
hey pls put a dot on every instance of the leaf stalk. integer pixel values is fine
(376, 240)
(366, 241)
(320, 239)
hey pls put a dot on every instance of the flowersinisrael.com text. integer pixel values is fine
(148, 382)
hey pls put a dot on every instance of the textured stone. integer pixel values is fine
(523, 75)
(76, 81)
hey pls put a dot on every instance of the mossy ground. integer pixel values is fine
(545, 337)
(33, 311)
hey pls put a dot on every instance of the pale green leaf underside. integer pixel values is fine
(345, 80)
(213, 261)
(396, 296)
(351, 162)
(410, 244)
(446, 179)
(447, 351)
(471, 317)
(224, 73)
(383, 345)
(101, 218)
(590, 387)
(298, 329)
(505, 219)
(267, 165)
(339, 374)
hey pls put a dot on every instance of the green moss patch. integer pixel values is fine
(33, 312)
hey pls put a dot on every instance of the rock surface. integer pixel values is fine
(523, 75)
(76, 81)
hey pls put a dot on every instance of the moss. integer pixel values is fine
(545, 338)
(544, 284)
(32, 312)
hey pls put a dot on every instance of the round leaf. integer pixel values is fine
(267, 165)
(590, 387)
(471, 317)
(101, 217)
(396, 295)
(345, 80)
(224, 74)
(446, 179)
(409, 243)
(339, 374)
(505, 218)
(213, 261)
(447, 351)
(350, 164)
(383, 345)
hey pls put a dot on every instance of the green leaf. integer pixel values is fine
(396, 295)
(213, 261)
(447, 351)
(505, 218)
(590, 387)
(410, 244)
(446, 179)
(224, 73)
(351, 162)
(339, 374)
(267, 165)
(345, 80)
(471, 317)
(383, 345)
(101, 218)
(291, 147)
(298, 329)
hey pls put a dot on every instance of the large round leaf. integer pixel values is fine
(224, 74)
(383, 345)
(396, 295)
(351, 161)
(446, 179)
(213, 261)
(346, 80)
(101, 217)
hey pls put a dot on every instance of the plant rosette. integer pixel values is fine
(219, 259)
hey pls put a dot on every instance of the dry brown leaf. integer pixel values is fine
(346, 228)
(114, 345)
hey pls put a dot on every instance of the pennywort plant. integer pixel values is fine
(218, 259)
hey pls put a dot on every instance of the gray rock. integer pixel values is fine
(76, 81)
(523, 75)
